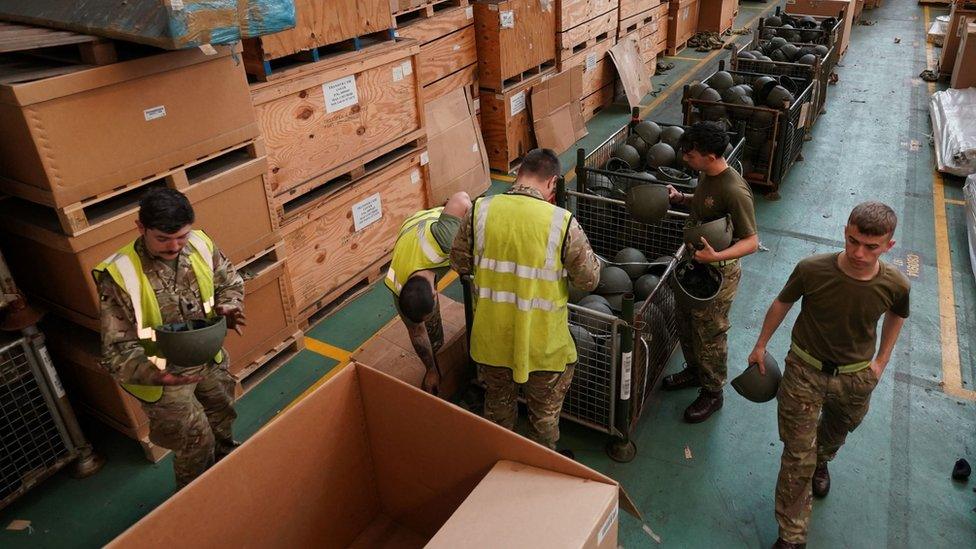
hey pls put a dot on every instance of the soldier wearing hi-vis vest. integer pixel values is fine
(835, 362)
(523, 251)
(171, 274)
(420, 259)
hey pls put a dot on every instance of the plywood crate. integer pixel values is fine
(464, 78)
(230, 200)
(717, 15)
(599, 76)
(587, 34)
(516, 41)
(958, 15)
(448, 52)
(338, 23)
(76, 132)
(343, 241)
(506, 124)
(682, 24)
(326, 124)
(572, 13)
(630, 8)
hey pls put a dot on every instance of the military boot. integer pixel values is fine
(704, 406)
(821, 481)
(681, 380)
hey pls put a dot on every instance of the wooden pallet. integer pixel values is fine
(528, 74)
(49, 43)
(635, 23)
(94, 211)
(942, 3)
(425, 11)
(344, 293)
(676, 48)
(272, 69)
(592, 32)
(269, 363)
(594, 103)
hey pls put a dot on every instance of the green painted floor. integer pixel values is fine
(891, 481)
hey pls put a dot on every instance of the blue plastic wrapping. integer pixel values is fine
(260, 17)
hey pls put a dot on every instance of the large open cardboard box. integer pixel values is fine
(366, 460)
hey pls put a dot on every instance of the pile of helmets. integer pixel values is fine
(801, 28)
(781, 50)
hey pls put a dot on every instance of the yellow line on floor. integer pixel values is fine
(683, 58)
(955, 202)
(320, 347)
(502, 177)
(446, 281)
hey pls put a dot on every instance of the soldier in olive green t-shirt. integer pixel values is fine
(834, 361)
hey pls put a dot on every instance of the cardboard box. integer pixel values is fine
(458, 161)
(556, 114)
(631, 68)
(88, 132)
(954, 32)
(516, 40)
(964, 73)
(377, 463)
(682, 24)
(598, 69)
(391, 352)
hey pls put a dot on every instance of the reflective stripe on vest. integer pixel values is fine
(520, 286)
(125, 268)
(415, 250)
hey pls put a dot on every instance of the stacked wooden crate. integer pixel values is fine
(81, 146)
(516, 50)
(682, 24)
(647, 20)
(717, 15)
(585, 32)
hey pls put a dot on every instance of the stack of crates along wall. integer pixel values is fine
(682, 23)
(516, 50)
(774, 136)
(599, 383)
(585, 32)
(647, 20)
(717, 15)
(81, 149)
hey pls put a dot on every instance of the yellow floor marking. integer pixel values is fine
(446, 281)
(322, 348)
(683, 58)
(955, 202)
(502, 177)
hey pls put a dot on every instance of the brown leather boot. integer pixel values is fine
(780, 544)
(821, 481)
(704, 406)
(681, 380)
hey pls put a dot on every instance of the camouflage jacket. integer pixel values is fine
(179, 301)
(578, 258)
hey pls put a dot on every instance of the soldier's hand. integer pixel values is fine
(706, 254)
(877, 369)
(674, 195)
(170, 379)
(758, 356)
(235, 317)
(431, 382)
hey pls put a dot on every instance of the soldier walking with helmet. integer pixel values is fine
(172, 274)
(721, 194)
(523, 252)
(834, 362)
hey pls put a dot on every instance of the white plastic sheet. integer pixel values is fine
(970, 190)
(953, 114)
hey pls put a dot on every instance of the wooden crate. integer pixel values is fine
(630, 8)
(516, 41)
(634, 24)
(506, 124)
(585, 35)
(572, 13)
(954, 32)
(326, 251)
(317, 24)
(57, 44)
(682, 24)
(224, 192)
(466, 77)
(653, 41)
(598, 69)
(91, 130)
(447, 41)
(597, 101)
(309, 146)
(717, 15)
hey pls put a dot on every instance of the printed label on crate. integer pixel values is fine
(546, 5)
(456, 47)
(367, 212)
(340, 93)
(685, 13)
(397, 73)
(626, 360)
(415, 177)
(424, 158)
(407, 68)
(591, 60)
(154, 113)
(493, 7)
(396, 33)
(506, 19)
(469, 12)
(51, 373)
(208, 50)
(474, 147)
(477, 104)
(517, 103)
(605, 529)
(177, 5)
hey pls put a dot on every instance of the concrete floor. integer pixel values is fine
(891, 485)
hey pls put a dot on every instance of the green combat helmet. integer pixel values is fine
(647, 203)
(718, 233)
(695, 284)
(632, 261)
(645, 285)
(660, 154)
(585, 344)
(628, 154)
(186, 344)
(757, 387)
(649, 132)
(614, 283)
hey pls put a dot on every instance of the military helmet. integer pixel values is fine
(576, 295)
(773, 21)
(671, 135)
(648, 131)
(808, 59)
(777, 43)
(745, 55)
(696, 89)
(647, 203)
(820, 50)
(638, 144)
(710, 94)
(790, 50)
(807, 22)
(593, 299)
(758, 387)
(645, 285)
(695, 284)
(627, 153)
(672, 175)
(660, 154)
(191, 343)
(613, 280)
(656, 323)
(717, 232)
(599, 184)
(721, 80)
(585, 344)
(778, 97)
(809, 35)
(592, 323)
(616, 165)
(778, 55)
(632, 261)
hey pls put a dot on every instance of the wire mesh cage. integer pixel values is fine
(827, 30)
(34, 442)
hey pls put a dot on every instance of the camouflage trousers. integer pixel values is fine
(544, 395)
(815, 411)
(703, 332)
(195, 421)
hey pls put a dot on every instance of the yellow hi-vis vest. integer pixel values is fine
(521, 320)
(125, 268)
(416, 249)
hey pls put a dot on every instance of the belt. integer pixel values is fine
(829, 368)
(723, 263)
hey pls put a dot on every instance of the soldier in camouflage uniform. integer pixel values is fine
(721, 192)
(523, 251)
(832, 367)
(194, 413)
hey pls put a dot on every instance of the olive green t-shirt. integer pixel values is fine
(839, 315)
(725, 194)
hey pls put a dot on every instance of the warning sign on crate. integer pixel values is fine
(367, 212)
(517, 103)
(340, 93)
(506, 19)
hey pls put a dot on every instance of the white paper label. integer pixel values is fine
(506, 19)
(415, 177)
(51, 373)
(469, 12)
(456, 47)
(397, 74)
(340, 93)
(424, 158)
(517, 103)
(493, 7)
(626, 361)
(407, 68)
(177, 5)
(474, 147)
(607, 525)
(477, 104)
(154, 113)
(396, 33)
(591, 60)
(367, 212)
(207, 49)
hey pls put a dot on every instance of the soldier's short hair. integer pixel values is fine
(416, 299)
(165, 209)
(706, 138)
(541, 163)
(873, 219)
